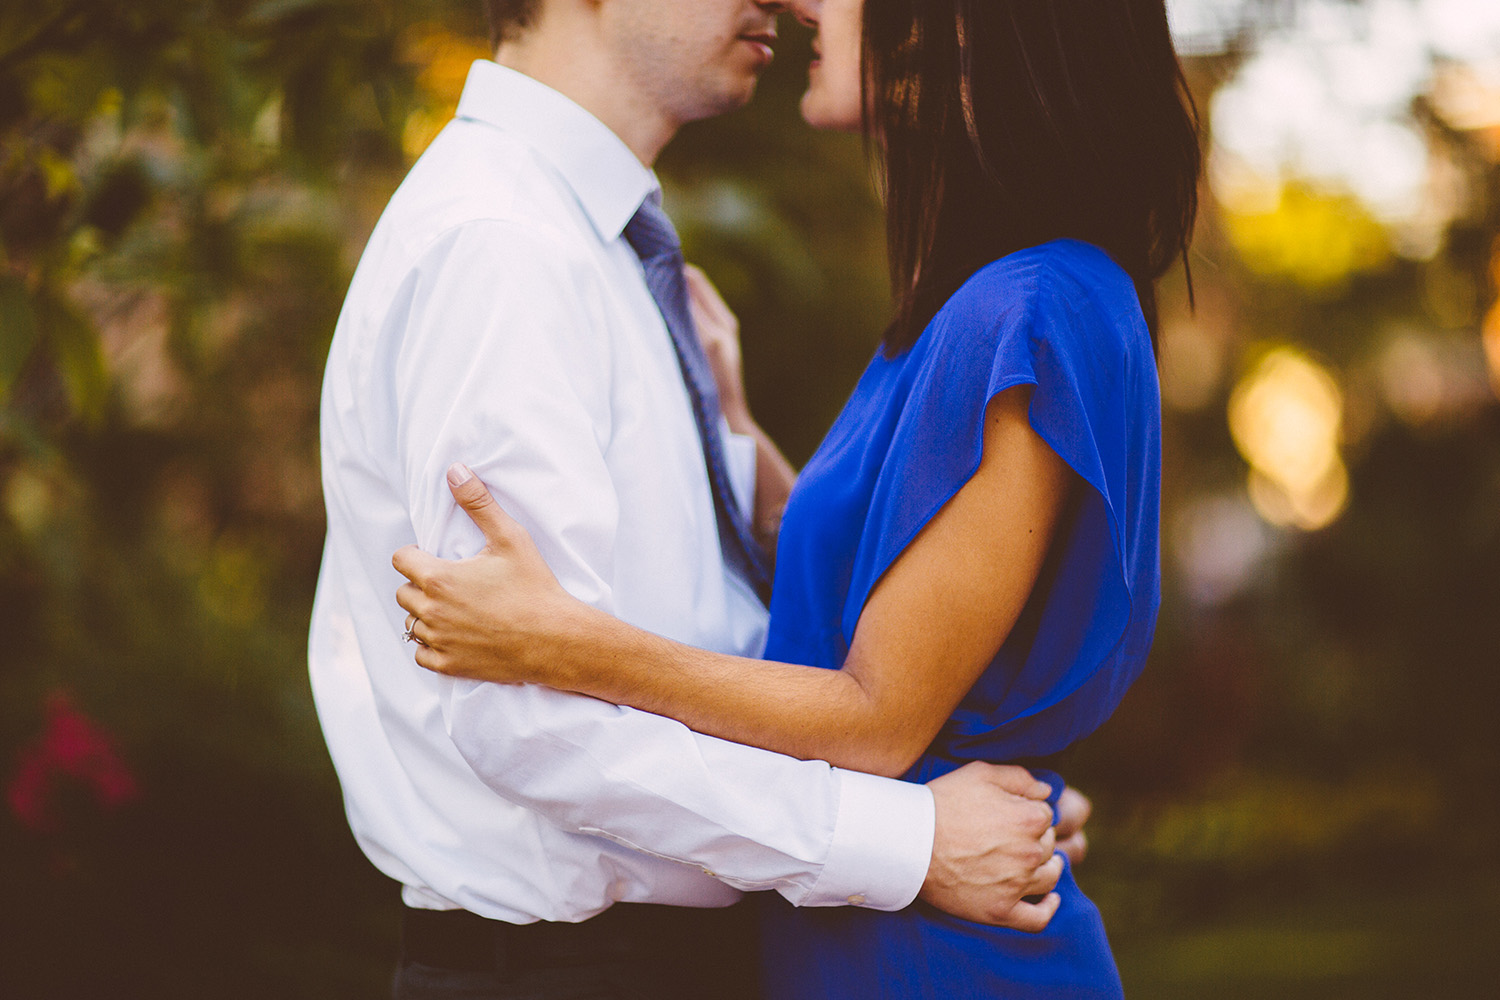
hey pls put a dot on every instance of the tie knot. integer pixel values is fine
(649, 232)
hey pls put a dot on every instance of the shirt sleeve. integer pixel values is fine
(500, 366)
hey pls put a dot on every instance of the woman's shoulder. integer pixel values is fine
(1067, 292)
(1047, 274)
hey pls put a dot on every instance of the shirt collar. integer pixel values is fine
(608, 180)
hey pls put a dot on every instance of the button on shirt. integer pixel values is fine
(498, 318)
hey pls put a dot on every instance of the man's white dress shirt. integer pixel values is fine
(499, 318)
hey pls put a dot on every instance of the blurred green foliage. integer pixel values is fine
(1297, 798)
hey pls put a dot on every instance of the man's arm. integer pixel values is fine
(498, 366)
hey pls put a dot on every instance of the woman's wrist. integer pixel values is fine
(737, 414)
(571, 640)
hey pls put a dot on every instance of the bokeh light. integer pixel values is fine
(1326, 100)
(1491, 331)
(1191, 362)
(1220, 546)
(442, 58)
(1286, 416)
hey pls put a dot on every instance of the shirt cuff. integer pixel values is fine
(882, 844)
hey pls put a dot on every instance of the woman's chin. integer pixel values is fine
(820, 116)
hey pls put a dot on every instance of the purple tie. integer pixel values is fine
(654, 240)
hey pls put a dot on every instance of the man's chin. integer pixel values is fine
(731, 98)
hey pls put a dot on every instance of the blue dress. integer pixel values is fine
(1064, 318)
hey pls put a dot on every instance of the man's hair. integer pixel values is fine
(1002, 124)
(508, 18)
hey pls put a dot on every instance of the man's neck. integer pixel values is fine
(568, 66)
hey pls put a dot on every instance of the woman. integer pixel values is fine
(968, 567)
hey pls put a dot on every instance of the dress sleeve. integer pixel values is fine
(1087, 352)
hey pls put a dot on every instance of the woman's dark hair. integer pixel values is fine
(1001, 124)
(508, 18)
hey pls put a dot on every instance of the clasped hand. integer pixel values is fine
(502, 616)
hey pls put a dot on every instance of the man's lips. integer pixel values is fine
(764, 41)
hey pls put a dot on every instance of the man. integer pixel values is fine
(502, 315)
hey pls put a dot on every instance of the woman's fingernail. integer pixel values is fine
(458, 474)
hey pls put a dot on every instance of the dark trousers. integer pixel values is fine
(632, 951)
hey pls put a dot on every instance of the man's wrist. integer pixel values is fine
(882, 844)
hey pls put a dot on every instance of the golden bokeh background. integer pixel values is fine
(1298, 798)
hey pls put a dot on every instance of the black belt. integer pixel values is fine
(630, 932)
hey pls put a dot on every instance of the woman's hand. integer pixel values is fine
(719, 333)
(1073, 809)
(494, 616)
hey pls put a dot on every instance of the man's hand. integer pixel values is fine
(994, 845)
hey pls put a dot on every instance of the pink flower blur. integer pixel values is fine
(72, 747)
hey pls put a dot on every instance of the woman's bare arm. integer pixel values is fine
(932, 624)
